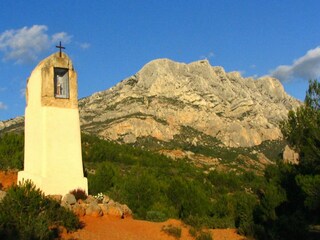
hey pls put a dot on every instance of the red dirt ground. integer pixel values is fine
(112, 228)
(8, 178)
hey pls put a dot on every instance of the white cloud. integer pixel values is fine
(22, 92)
(62, 36)
(3, 106)
(84, 45)
(306, 67)
(25, 44)
(208, 55)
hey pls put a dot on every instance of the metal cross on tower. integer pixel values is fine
(60, 47)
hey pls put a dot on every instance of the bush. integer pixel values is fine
(172, 231)
(244, 213)
(156, 216)
(79, 194)
(140, 191)
(104, 178)
(11, 151)
(193, 232)
(25, 213)
(204, 236)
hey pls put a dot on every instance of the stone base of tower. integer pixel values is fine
(54, 185)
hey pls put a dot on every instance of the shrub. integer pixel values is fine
(25, 213)
(156, 216)
(193, 232)
(172, 231)
(244, 213)
(204, 236)
(11, 151)
(79, 194)
(140, 191)
(104, 178)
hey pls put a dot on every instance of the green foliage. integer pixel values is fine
(270, 198)
(25, 213)
(11, 151)
(157, 188)
(244, 213)
(193, 232)
(140, 191)
(310, 186)
(172, 231)
(156, 216)
(225, 183)
(312, 99)
(289, 202)
(302, 130)
(104, 178)
(204, 236)
(181, 192)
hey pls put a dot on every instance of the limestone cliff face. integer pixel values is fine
(165, 95)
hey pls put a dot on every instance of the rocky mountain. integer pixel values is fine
(166, 98)
(191, 111)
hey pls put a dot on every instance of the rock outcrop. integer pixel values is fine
(290, 156)
(165, 96)
(95, 207)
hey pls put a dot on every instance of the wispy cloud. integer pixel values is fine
(84, 45)
(306, 67)
(26, 44)
(3, 106)
(208, 55)
(22, 92)
(62, 36)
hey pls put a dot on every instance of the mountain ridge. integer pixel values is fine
(166, 96)
(240, 112)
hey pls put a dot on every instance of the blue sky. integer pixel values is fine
(111, 40)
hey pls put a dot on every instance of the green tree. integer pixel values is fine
(302, 130)
(290, 201)
(104, 179)
(310, 186)
(140, 190)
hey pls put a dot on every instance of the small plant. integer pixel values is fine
(79, 194)
(193, 232)
(204, 236)
(172, 231)
(156, 216)
(99, 197)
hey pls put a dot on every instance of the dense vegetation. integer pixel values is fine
(283, 203)
(25, 213)
(11, 151)
(297, 216)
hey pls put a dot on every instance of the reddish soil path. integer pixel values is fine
(111, 228)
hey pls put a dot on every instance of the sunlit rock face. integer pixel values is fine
(165, 95)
